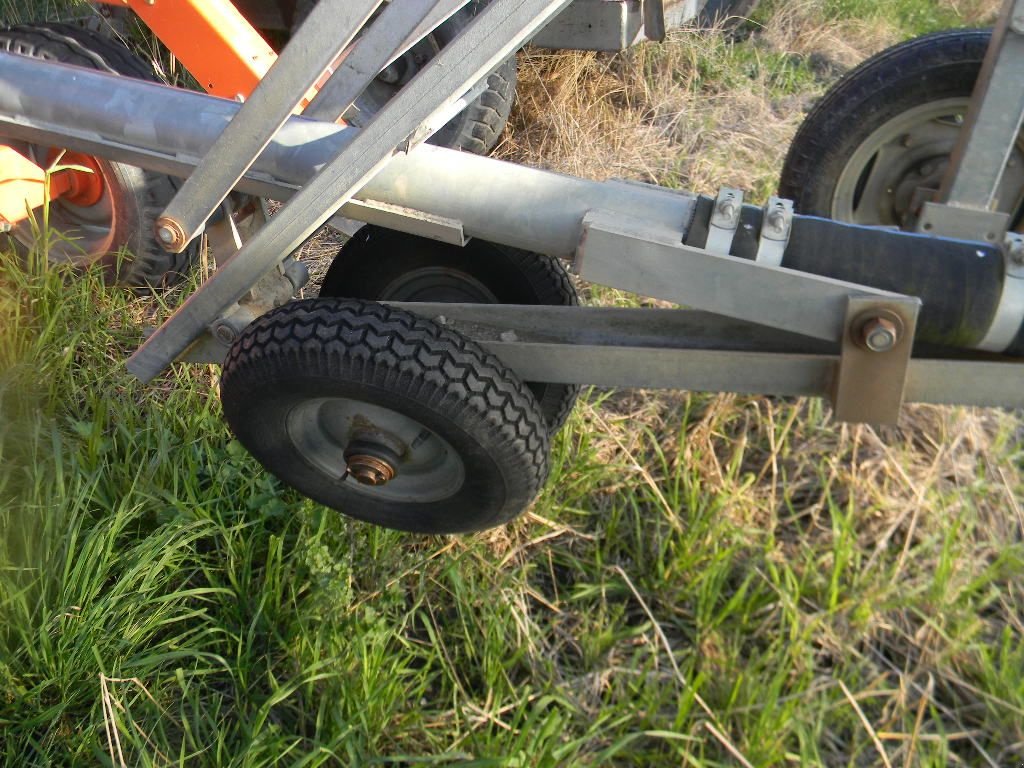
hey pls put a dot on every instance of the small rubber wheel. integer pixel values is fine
(385, 416)
(479, 126)
(385, 265)
(882, 136)
(113, 225)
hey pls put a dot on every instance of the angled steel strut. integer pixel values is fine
(497, 31)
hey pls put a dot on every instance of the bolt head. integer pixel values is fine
(1015, 250)
(224, 333)
(166, 235)
(880, 334)
(777, 222)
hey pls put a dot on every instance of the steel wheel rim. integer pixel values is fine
(427, 468)
(911, 150)
(87, 232)
(438, 284)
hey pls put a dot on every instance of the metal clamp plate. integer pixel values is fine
(776, 224)
(725, 218)
(1010, 311)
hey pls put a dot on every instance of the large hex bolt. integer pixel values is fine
(170, 235)
(880, 334)
(224, 332)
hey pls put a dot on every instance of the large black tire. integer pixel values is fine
(886, 129)
(127, 249)
(384, 265)
(310, 385)
(479, 126)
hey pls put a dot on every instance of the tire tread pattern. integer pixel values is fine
(479, 126)
(406, 354)
(554, 288)
(373, 256)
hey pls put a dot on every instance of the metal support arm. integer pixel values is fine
(687, 349)
(499, 30)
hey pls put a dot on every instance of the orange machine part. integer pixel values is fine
(23, 185)
(78, 187)
(217, 45)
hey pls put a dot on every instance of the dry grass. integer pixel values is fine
(650, 115)
(779, 469)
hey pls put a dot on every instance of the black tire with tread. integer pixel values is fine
(316, 348)
(145, 194)
(926, 69)
(479, 126)
(374, 257)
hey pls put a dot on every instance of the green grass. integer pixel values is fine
(157, 585)
(706, 580)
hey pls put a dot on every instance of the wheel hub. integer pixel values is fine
(374, 450)
(369, 470)
(83, 175)
(439, 284)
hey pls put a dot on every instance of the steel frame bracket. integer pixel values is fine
(993, 120)
(875, 328)
(331, 26)
(498, 30)
(643, 258)
(947, 220)
(402, 219)
(874, 358)
(689, 349)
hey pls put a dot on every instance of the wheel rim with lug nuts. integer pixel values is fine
(880, 182)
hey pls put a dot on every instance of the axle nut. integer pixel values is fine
(880, 334)
(369, 470)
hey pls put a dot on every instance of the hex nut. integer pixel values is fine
(170, 234)
(879, 334)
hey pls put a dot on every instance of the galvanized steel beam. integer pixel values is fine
(499, 30)
(331, 26)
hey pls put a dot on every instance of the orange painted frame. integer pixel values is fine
(214, 41)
